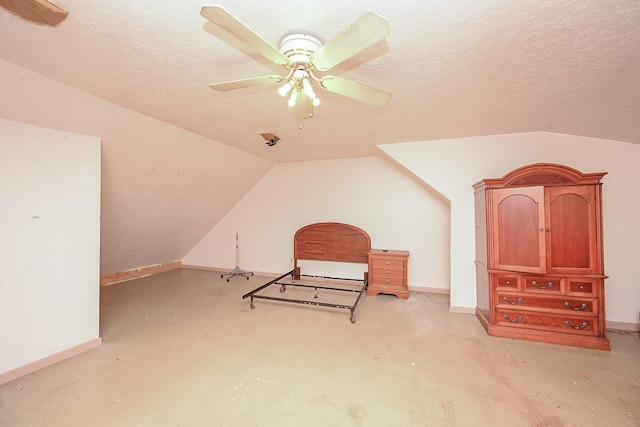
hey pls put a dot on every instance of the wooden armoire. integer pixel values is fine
(539, 257)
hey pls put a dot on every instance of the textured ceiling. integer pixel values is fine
(455, 68)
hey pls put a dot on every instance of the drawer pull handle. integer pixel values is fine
(508, 282)
(519, 319)
(387, 272)
(549, 285)
(388, 263)
(581, 287)
(582, 307)
(584, 325)
(518, 301)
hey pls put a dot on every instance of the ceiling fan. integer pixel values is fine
(303, 56)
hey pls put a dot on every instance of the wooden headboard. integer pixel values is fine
(331, 241)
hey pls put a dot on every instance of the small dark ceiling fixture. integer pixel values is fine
(270, 138)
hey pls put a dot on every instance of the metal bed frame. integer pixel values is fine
(325, 241)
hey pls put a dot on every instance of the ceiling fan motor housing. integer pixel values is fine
(298, 48)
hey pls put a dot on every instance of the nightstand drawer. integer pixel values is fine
(387, 263)
(386, 281)
(387, 272)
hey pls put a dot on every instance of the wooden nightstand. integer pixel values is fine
(388, 273)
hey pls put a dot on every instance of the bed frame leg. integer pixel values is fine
(252, 305)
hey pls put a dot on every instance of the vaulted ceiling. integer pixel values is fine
(455, 68)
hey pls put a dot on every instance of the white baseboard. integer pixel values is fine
(429, 290)
(201, 267)
(623, 326)
(463, 310)
(21, 371)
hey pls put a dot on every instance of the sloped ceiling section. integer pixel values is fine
(163, 188)
(455, 68)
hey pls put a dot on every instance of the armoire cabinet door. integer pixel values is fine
(518, 229)
(571, 229)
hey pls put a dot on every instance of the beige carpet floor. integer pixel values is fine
(182, 348)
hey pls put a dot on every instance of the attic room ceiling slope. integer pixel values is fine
(455, 68)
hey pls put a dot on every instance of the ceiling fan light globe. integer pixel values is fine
(292, 99)
(308, 90)
(284, 89)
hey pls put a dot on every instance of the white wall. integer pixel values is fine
(371, 193)
(50, 244)
(453, 166)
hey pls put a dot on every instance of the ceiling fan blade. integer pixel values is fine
(245, 83)
(39, 11)
(228, 22)
(354, 90)
(303, 107)
(365, 32)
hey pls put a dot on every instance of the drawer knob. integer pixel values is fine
(582, 307)
(549, 285)
(583, 326)
(518, 301)
(387, 272)
(581, 287)
(388, 263)
(508, 282)
(519, 319)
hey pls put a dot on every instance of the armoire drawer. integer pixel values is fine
(508, 281)
(546, 284)
(557, 304)
(551, 322)
(582, 286)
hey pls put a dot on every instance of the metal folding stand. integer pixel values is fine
(237, 271)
